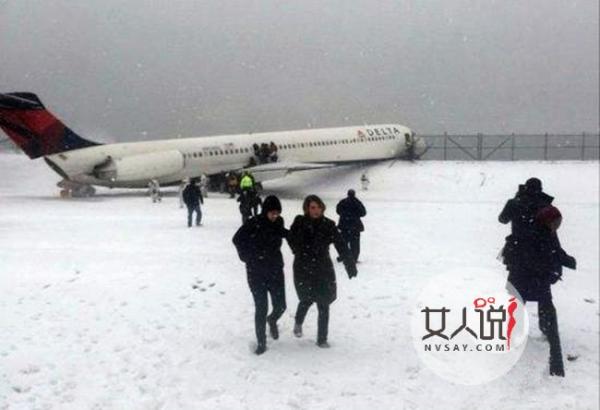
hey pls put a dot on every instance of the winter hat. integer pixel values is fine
(351, 193)
(271, 203)
(548, 215)
(312, 198)
(533, 185)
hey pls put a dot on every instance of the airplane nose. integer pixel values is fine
(420, 146)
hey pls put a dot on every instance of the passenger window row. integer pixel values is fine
(288, 146)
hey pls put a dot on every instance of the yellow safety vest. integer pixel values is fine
(246, 182)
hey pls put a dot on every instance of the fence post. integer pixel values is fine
(479, 146)
(512, 147)
(445, 145)
(583, 146)
(546, 147)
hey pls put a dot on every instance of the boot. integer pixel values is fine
(549, 326)
(298, 330)
(260, 349)
(556, 367)
(273, 330)
(323, 344)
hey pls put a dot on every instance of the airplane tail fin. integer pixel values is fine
(34, 129)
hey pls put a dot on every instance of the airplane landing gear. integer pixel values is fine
(72, 189)
(83, 191)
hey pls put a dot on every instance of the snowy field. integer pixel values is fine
(113, 303)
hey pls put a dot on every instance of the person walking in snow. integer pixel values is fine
(350, 210)
(364, 181)
(258, 243)
(184, 182)
(249, 203)
(534, 259)
(245, 199)
(310, 236)
(255, 202)
(204, 181)
(154, 190)
(232, 184)
(192, 196)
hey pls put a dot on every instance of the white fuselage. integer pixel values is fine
(170, 161)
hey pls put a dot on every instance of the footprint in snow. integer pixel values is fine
(21, 389)
(31, 369)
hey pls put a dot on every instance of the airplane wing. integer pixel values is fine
(275, 170)
(289, 167)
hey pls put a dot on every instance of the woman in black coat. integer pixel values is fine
(314, 277)
(535, 263)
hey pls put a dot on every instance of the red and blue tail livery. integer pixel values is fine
(34, 129)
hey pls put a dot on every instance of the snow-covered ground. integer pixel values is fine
(98, 307)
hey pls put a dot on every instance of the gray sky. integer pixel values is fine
(128, 70)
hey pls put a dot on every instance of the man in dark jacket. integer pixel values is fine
(245, 205)
(314, 277)
(258, 243)
(255, 202)
(350, 210)
(249, 202)
(232, 184)
(192, 197)
(534, 258)
(520, 211)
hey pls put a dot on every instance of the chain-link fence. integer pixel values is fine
(513, 147)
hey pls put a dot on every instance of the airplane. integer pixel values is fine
(83, 163)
